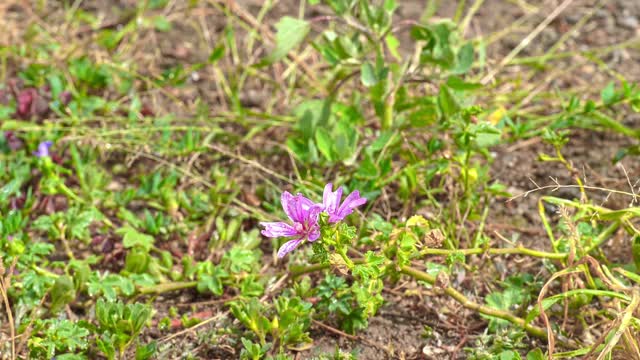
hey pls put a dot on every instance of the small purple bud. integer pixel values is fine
(43, 149)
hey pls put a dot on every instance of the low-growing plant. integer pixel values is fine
(139, 169)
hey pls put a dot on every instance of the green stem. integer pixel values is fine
(44, 272)
(613, 124)
(387, 120)
(451, 292)
(346, 259)
(68, 192)
(459, 11)
(604, 235)
(166, 287)
(299, 270)
(465, 302)
(144, 290)
(519, 250)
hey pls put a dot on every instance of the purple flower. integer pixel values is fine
(331, 203)
(43, 149)
(303, 214)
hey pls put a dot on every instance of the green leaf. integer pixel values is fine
(368, 74)
(6, 112)
(393, 44)
(464, 59)
(635, 251)
(456, 83)
(608, 94)
(157, 4)
(161, 23)
(323, 140)
(216, 54)
(535, 354)
(312, 114)
(509, 355)
(147, 351)
(447, 102)
(132, 237)
(79, 222)
(137, 261)
(81, 274)
(211, 278)
(105, 344)
(289, 33)
(62, 293)
(240, 259)
(487, 135)
(367, 168)
(56, 85)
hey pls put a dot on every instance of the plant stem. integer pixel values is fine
(166, 287)
(299, 270)
(519, 250)
(464, 301)
(451, 292)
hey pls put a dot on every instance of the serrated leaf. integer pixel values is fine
(146, 352)
(132, 237)
(240, 259)
(62, 293)
(137, 261)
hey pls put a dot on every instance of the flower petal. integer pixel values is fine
(296, 206)
(305, 203)
(351, 202)
(288, 247)
(43, 149)
(287, 204)
(314, 233)
(312, 215)
(277, 229)
(330, 199)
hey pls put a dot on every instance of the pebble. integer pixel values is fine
(629, 21)
(573, 18)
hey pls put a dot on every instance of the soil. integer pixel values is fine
(398, 331)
